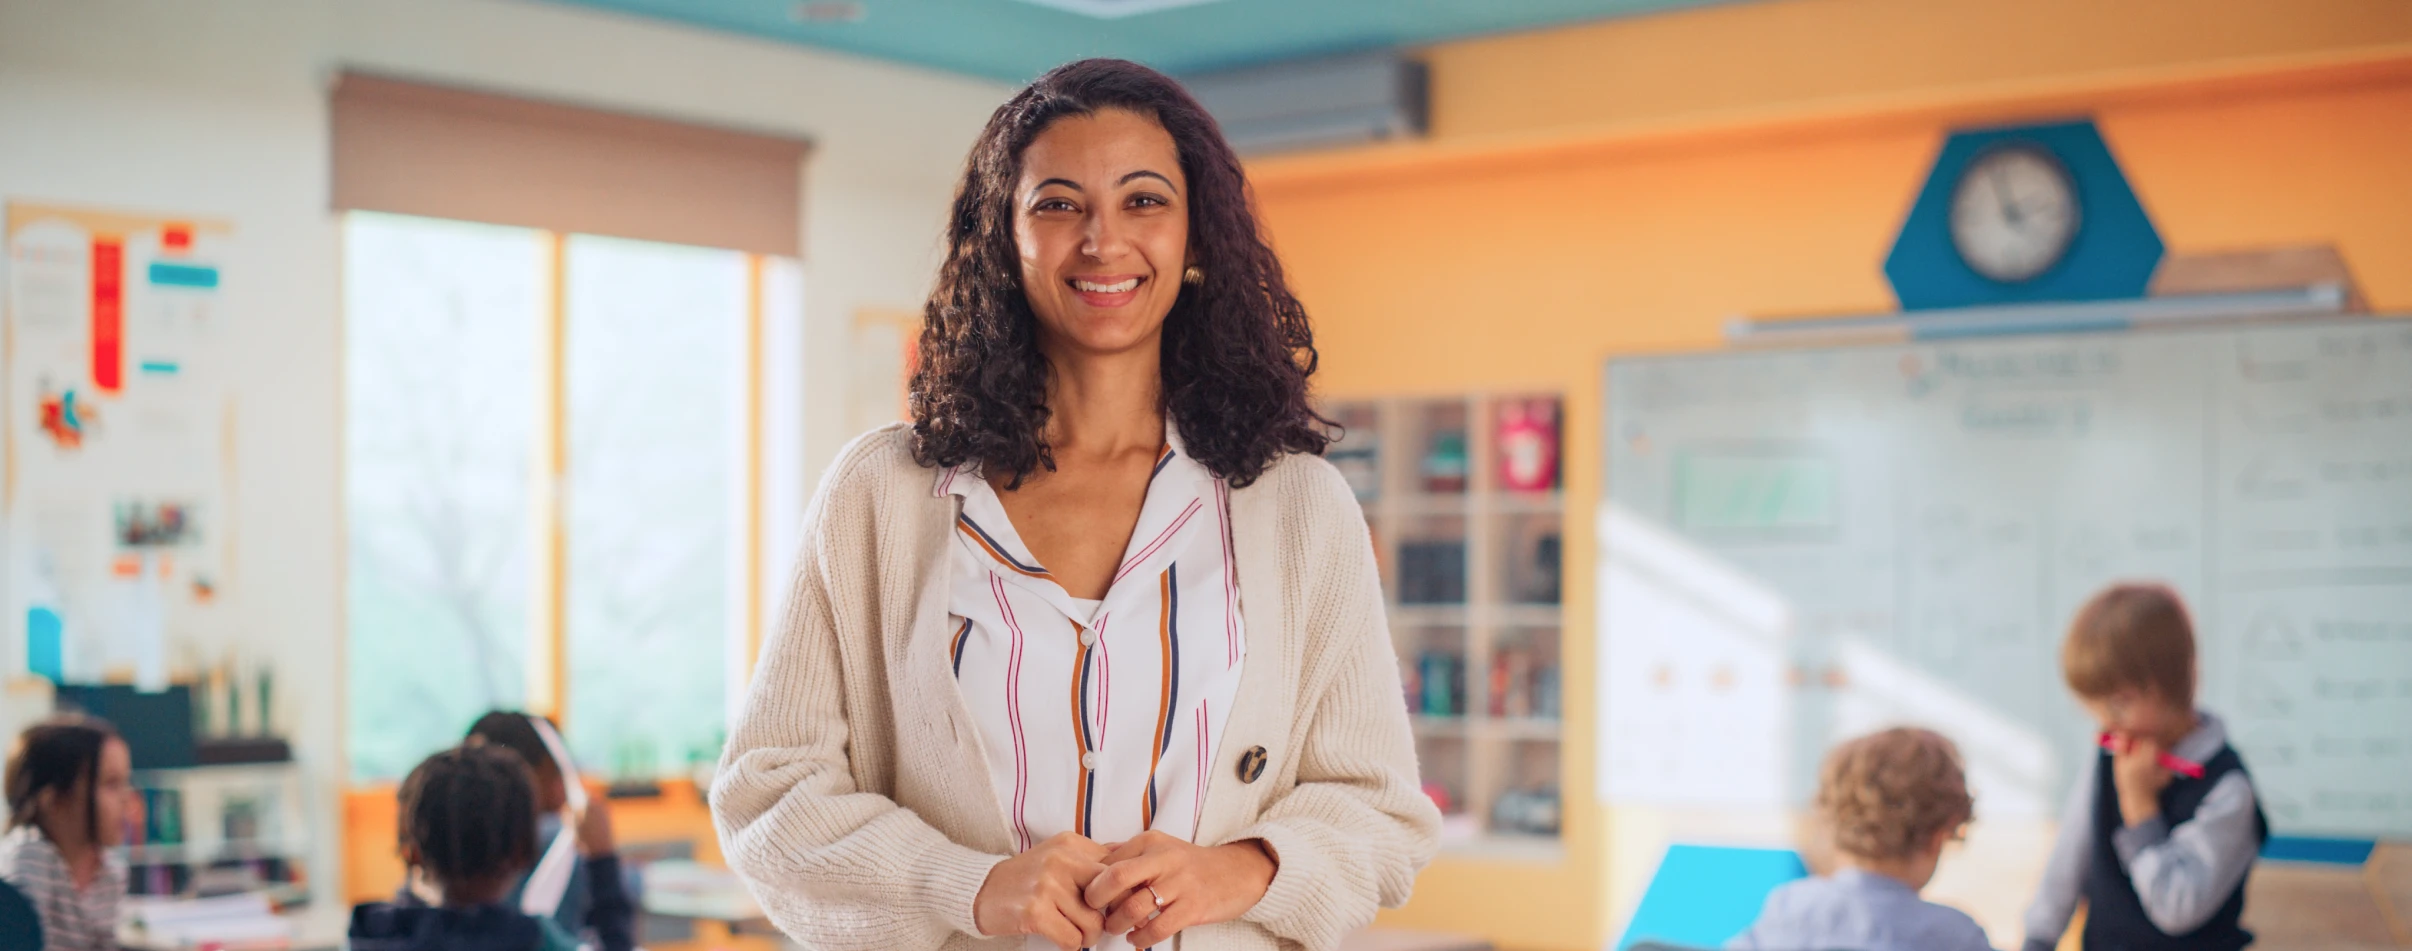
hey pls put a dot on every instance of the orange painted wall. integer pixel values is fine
(1535, 235)
(1751, 58)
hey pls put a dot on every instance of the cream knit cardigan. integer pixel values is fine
(853, 797)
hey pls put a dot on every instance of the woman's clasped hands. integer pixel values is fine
(1072, 891)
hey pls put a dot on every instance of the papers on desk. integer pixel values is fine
(244, 922)
(682, 889)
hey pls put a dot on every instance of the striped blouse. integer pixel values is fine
(73, 919)
(1100, 717)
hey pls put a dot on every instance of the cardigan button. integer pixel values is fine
(1252, 764)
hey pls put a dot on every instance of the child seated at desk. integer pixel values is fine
(70, 798)
(593, 900)
(468, 825)
(1890, 801)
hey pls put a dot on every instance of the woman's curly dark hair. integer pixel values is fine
(1236, 348)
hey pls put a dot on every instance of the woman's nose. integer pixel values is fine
(1103, 238)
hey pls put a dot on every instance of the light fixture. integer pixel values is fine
(1114, 9)
(827, 11)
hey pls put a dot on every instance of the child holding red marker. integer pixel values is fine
(2161, 832)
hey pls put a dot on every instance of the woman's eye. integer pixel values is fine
(1145, 201)
(1054, 204)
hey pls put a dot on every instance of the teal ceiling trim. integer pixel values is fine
(1015, 40)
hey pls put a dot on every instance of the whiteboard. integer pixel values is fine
(1802, 546)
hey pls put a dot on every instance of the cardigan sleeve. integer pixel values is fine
(835, 866)
(1353, 832)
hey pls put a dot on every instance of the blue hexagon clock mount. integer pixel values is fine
(2023, 214)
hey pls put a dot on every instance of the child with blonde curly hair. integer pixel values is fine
(1890, 802)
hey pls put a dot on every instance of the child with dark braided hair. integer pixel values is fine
(468, 825)
(590, 896)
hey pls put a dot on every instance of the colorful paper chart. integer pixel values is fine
(116, 469)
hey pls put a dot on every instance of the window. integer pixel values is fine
(656, 418)
(549, 509)
(440, 412)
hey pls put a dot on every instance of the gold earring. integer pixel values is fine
(1194, 275)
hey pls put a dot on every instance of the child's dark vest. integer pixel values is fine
(2114, 917)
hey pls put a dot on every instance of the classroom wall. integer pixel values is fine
(1625, 187)
(218, 110)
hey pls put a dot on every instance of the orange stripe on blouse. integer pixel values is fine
(981, 540)
(1164, 695)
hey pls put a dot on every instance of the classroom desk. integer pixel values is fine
(1391, 939)
(676, 888)
(733, 909)
(310, 933)
(317, 927)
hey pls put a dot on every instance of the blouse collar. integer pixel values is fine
(957, 480)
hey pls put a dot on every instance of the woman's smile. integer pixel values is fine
(1106, 290)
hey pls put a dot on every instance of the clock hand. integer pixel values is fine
(2001, 195)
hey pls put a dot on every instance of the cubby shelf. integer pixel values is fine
(1470, 552)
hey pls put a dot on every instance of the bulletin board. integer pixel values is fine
(119, 529)
(1803, 546)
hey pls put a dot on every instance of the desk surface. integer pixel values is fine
(1388, 939)
(310, 933)
(682, 889)
(727, 907)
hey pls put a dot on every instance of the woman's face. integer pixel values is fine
(1101, 218)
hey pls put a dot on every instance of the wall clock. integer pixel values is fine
(2013, 213)
(2023, 214)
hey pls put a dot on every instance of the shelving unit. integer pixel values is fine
(218, 828)
(1470, 547)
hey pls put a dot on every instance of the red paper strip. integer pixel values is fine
(108, 315)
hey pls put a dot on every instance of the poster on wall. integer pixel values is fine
(115, 495)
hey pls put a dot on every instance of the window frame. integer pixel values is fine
(548, 685)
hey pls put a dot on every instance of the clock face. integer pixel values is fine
(2013, 213)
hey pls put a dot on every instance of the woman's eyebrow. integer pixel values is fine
(1144, 173)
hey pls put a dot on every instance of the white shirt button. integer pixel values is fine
(1088, 637)
(1088, 761)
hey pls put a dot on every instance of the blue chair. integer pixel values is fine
(1703, 895)
(20, 926)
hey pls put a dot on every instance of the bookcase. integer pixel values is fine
(216, 829)
(1464, 499)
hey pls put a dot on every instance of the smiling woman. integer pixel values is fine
(1109, 499)
(1108, 173)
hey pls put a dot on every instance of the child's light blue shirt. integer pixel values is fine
(1852, 910)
